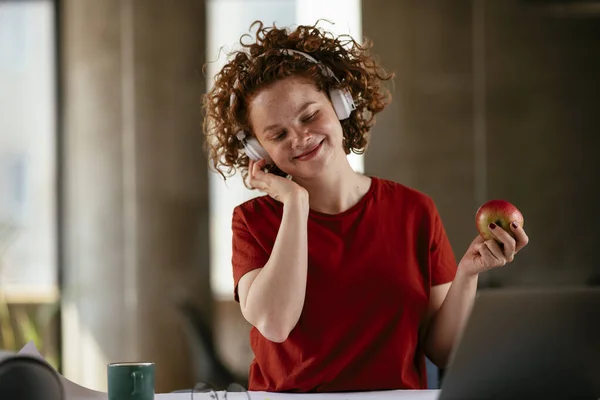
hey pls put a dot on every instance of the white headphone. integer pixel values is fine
(341, 99)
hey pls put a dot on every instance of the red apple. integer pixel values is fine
(499, 212)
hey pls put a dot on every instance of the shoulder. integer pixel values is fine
(255, 204)
(259, 208)
(416, 210)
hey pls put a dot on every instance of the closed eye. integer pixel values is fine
(280, 135)
(310, 117)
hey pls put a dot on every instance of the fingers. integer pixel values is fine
(521, 237)
(256, 168)
(491, 254)
(508, 243)
(258, 179)
(497, 252)
(487, 258)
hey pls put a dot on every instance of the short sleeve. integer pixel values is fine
(441, 257)
(246, 252)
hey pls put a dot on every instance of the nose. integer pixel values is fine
(301, 138)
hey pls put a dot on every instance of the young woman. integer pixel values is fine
(348, 280)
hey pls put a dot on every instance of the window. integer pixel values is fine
(227, 21)
(27, 152)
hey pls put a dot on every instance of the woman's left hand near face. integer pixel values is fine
(484, 255)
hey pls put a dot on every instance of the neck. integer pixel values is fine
(336, 191)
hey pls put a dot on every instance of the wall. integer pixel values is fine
(495, 99)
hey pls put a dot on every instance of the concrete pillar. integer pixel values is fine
(135, 185)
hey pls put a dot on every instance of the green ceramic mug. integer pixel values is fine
(130, 381)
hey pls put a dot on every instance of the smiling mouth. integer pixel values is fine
(310, 152)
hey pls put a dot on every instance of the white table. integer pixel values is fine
(380, 395)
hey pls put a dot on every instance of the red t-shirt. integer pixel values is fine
(370, 270)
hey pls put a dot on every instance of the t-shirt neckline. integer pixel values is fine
(359, 204)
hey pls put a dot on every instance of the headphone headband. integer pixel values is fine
(324, 69)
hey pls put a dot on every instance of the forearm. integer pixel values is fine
(276, 296)
(449, 320)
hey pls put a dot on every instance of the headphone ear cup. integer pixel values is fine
(255, 151)
(342, 102)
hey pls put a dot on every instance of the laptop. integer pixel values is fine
(528, 343)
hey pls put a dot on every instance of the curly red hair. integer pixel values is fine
(262, 62)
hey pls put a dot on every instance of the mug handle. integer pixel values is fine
(138, 378)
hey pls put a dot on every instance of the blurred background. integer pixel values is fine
(115, 238)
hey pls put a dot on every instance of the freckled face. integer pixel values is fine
(297, 126)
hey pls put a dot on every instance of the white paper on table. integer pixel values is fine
(378, 395)
(72, 390)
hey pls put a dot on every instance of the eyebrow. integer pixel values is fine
(304, 107)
